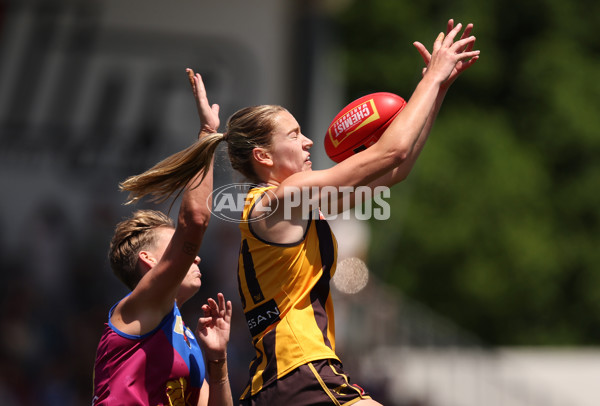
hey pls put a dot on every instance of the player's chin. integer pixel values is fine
(194, 288)
(195, 283)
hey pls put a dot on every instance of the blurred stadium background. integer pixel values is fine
(483, 286)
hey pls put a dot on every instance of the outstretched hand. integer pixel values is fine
(463, 49)
(209, 115)
(213, 329)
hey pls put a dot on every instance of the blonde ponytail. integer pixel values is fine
(174, 173)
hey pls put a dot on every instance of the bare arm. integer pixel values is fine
(401, 172)
(398, 142)
(213, 333)
(392, 157)
(155, 294)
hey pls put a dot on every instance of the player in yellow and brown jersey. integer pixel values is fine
(288, 253)
(284, 290)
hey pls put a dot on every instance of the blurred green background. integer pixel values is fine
(500, 220)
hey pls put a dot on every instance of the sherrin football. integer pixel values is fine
(360, 124)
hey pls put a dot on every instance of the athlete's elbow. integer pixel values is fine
(196, 219)
(395, 153)
(201, 218)
(399, 155)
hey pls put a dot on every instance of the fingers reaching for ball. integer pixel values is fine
(451, 57)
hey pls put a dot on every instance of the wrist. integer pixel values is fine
(216, 358)
(446, 85)
(203, 134)
(217, 371)
(431, 79)
(443, 90)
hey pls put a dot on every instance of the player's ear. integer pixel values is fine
(146, 259)
(262, 156)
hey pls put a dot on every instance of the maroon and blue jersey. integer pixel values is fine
(162, 367)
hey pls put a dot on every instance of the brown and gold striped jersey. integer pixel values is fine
(284, 289)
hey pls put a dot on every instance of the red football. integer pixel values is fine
(360, 124)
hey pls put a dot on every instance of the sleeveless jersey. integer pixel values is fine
(162, 367)
(284, 289)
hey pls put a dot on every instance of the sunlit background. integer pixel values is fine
(483, 287)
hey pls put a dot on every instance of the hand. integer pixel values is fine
(213, 329)
(464, 50)
(209, 115)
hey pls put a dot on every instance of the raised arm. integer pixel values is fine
(398, 142)
(154, 295)
(209, 115)
(213, 334)
(400, 173)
